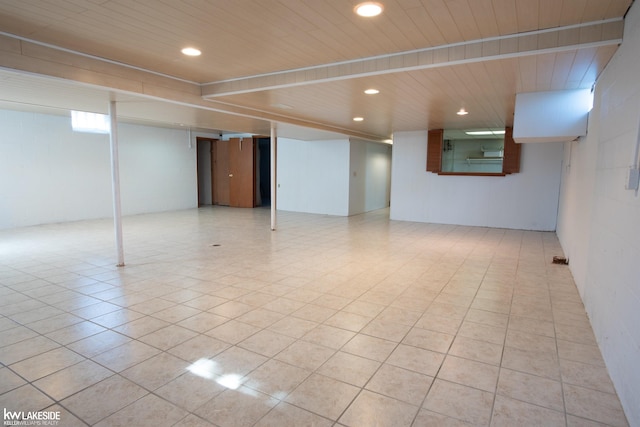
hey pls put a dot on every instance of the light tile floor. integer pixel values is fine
(361, 321)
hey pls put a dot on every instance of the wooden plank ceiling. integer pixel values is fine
(428, 58)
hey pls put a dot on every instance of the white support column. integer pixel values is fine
(115, 182)
(274, 176)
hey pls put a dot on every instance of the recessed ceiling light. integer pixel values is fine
(371, 91)
(191, 51)
(462, 112)
(368, 9)
(358, 119)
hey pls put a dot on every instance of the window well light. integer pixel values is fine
(82, 121)
(368, 9)
(191, 51)
(371, 91)
(358, 119)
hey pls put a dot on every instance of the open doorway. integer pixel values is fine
(204, 148)
(263, 171)
(234, 172)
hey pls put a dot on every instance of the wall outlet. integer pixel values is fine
(633, 178)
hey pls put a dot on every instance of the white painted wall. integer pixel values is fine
(369, 176)
(48, 173)
(526, 200)
(313, 176)
(599, 221)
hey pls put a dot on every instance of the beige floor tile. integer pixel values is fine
(293, 327)
(276, 378)
(126, 355)
(46, 363)
(328, 336)
(470, 373)
(237, 408)
(237, 361)
(461, 402)
(370, 409)
(141, 327)
(176, 313)
(429, 340)
(189, 391)
(199, 347)
(156, 371)
(369, 347)
(67, 419)
(117, 318)
(25, 398)
(452, 301)
(533, 326)
(509, 412)
(349, 368)
(416, 359)
(104, 398)
(349, 321)
(203, 322)
(585, 375)
(15, 334)
(430, 419)
(54, 323)
(9, 380)
(70, 380)
(266, 343)
(481, 332)
(401, 384)
(481, 351)
(530, 388)
(148, 411)
(390, 331)
(443, 324)
(98, 343)
(260, 317)
(168, 337)
(25, 349)
(75, 332)
(233, 331)
(305, 355)
(594, 405)
(324, 396)
(541, 363)
(231, 309)
(286, 415)
(193, 421)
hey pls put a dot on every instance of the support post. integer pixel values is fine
(115, 182)
(274, 175)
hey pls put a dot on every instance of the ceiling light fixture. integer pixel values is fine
(485, 132)
(371, 91)
(369, 9)
(358, 119)
(462, 112)
(191, 51)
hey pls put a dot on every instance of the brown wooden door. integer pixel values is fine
(242, 172)
(220, 163)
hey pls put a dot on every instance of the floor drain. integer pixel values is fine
(216, 244)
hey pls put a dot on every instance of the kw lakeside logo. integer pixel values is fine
(31, 418)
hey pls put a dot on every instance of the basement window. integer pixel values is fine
(82, 121)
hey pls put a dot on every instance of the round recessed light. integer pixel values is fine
(371, 91)
(369, 9)
(462, 112)
(358, 119)
(191, 51)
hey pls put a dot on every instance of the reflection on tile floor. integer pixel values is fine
(361, 321)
